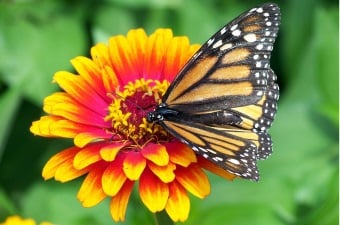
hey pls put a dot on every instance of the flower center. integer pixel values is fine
(129, 108)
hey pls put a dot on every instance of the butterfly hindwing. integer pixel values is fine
(232, 149)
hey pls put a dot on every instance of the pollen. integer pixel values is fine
(129, 108)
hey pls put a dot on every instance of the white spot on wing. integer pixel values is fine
(250, 37)
(226, 46)
(217, 44)
(234, 27)
(259, 46)
(234, 161)
(223, 30)
(259, 10)
(210, 41)
(236, 33)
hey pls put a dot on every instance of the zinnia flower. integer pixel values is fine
(104, 109)
(17, 220)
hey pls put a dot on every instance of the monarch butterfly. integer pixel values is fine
(224, 99)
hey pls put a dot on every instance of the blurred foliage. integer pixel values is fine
(299, 184)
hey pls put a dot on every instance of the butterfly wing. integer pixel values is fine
(258, 117)
(231, 149)
(232, 68)
(226, 95)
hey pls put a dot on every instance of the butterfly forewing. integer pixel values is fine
(224, 72)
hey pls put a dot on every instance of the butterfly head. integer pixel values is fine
(162, 112)
(154, 117)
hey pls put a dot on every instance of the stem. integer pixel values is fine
(162, 218)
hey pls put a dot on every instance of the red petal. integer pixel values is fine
(121, 54)
(79, 90)
(156, 48)
(176, 56)
(137, 39)
(61, 104)
(91, 73)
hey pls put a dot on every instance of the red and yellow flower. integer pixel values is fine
(103, 108)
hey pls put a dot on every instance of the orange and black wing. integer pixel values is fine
(232, 149)
(225, 98)
(232, 68)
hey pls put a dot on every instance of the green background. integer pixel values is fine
(299, 182)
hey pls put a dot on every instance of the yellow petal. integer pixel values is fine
(120, 52)
(90, 72)
(113, 178)
(91, 192)
(58, 159)
(83, 139)
(134, 165)
(178, 205)
(153, 192)
(156, 153)
(110, 151)
(42, 126)
(194, 180)
(180, 153)
(110, 79)
(67, 172)
(156, 47)
(100, 55)
(120, 201)
(87, 156)
(164, 173)
(176, 56)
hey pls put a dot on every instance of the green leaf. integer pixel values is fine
(57, 203)
(296, 30)
(9, 103)
(110, 20)
(36, 42)
(162, 218)
(327, 68)
(147, 3)
(326, 209)
(7, 207)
